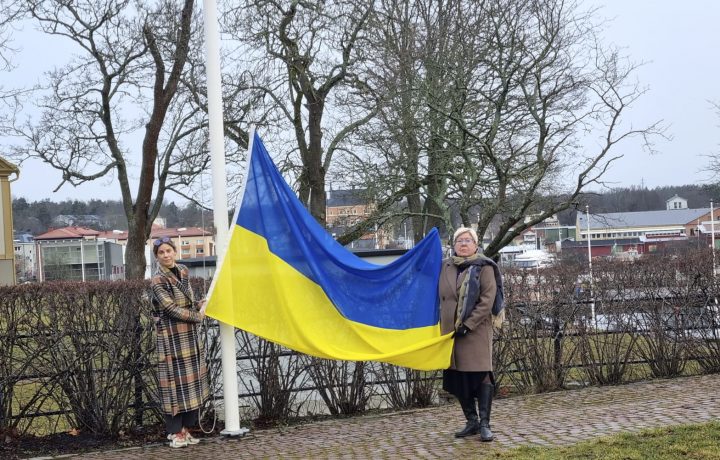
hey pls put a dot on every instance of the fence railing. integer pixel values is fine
(81, 355)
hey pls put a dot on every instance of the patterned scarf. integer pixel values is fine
(469, 290)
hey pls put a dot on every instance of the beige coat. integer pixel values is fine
(472, 353)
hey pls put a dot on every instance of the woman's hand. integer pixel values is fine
(461, 331)
(202, 304)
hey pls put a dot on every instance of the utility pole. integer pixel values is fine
(712, 236)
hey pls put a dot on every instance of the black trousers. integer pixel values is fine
(175, 423)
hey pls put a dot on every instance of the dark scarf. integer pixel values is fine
(469, 291)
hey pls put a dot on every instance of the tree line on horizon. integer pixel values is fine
(36, 217)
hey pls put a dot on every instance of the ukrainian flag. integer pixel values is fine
(284, 278)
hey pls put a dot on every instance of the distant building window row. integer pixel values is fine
(634, 234)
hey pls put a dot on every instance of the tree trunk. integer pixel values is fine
(135, 261)
(315, 173)
(434, 205)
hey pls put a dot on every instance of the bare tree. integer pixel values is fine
(306, 68)
(490, 107)
(10, 12)
(547, 82)
(113, 108)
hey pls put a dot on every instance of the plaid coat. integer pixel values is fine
(182, 372)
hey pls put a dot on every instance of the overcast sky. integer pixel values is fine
(678, 41)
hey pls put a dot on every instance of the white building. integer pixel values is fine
(676, 202)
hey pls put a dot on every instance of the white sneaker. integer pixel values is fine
(190, 439)
(177, 441)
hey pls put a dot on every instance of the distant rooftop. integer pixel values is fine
(346, 197)
(675, 197)
(68, 233)
(7, 168)
(642, 218)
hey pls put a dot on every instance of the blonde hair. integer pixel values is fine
(462, 230)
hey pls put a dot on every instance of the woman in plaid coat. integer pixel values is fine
(182, 373)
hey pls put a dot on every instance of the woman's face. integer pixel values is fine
(166, 255)
(465, 245)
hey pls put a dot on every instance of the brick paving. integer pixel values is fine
(551, 419)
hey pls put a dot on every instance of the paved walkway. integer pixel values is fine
(549, 419)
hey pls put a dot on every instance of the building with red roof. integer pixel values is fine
(77, 253)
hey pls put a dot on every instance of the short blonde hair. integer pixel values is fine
(462, 230)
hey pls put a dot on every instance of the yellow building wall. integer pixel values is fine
(7, 252)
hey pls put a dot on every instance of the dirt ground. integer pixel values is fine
(65, 443)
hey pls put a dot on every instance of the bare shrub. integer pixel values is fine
(607, 342)
(342, 385)
(271, 378)
(698, 319)
(501, 356)
(663, 343)
(543, 312)
(87, 326)
(404, 388)
(17, 359)
(705, 344)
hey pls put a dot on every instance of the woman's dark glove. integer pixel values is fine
(461, 331)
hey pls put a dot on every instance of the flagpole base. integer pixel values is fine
(235, 433)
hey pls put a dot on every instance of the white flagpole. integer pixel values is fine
(220, 210)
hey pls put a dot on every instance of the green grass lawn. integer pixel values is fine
(697, 442)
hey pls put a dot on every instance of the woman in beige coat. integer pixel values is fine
(467, 291)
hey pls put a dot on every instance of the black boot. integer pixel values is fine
(472, 426)
(485, 400)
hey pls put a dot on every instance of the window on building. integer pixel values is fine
(199, 251)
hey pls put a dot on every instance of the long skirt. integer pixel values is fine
(464, 385)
